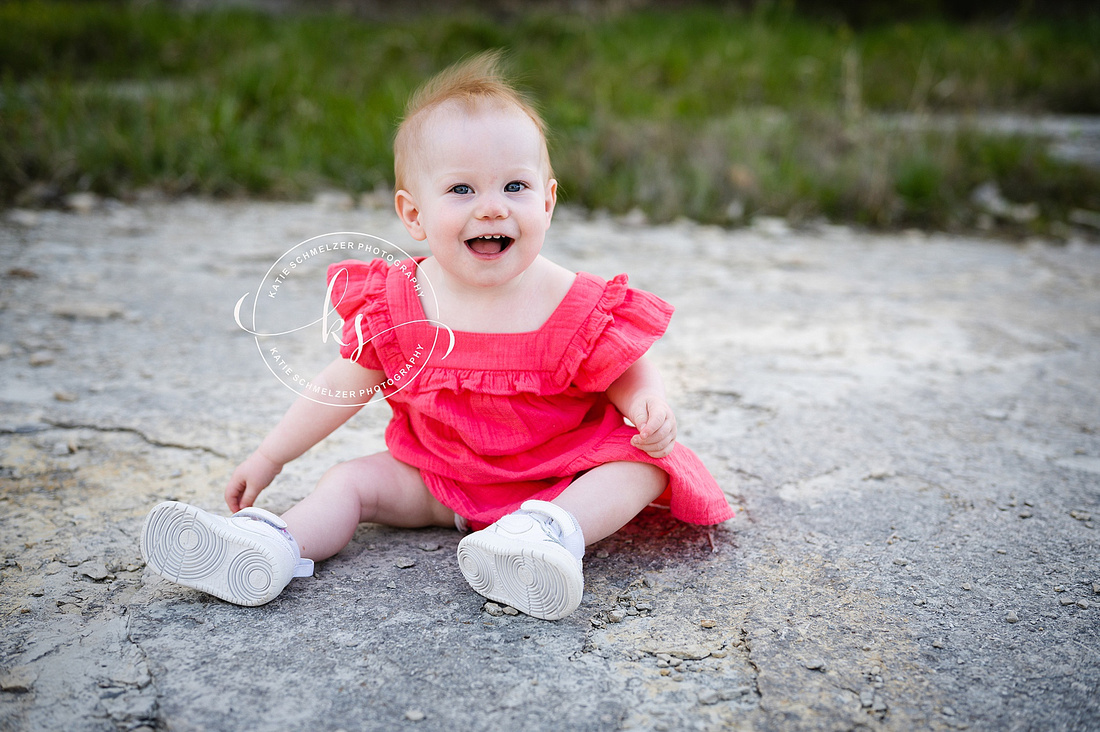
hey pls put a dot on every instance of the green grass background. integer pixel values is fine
(714, 113)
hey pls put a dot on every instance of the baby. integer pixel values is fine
(518, 433)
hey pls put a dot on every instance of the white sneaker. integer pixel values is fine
(246, 559)
(529, 559)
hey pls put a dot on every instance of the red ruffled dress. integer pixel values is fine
(505, 417)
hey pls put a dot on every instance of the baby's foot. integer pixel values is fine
(530, 559)
(246, 559)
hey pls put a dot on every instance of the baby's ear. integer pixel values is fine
(409, 213)
(551, 198)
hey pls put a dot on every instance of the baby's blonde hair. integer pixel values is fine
(474, 83)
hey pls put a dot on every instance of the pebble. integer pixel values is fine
(966, 586)
(901, 562)
(415, 715)
(948, 712)
(1011, 617)
(708, 697)
(493, 609)
(18, 680)
(96, 571)
(6, 350)
(815, 664)
(430, 546)
(1067, 600)
(65, 396)
(509, 610)
(718, 654)
(615, 616)
(1083, 604)
(404, 563)
(866, 698)
(88, 310)
(937, 644)
(40, 358)
(83, 203)
(708, 624)
(1096, 588)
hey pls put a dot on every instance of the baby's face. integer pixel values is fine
(480, 193)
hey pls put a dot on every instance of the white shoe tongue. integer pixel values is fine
(486, 246)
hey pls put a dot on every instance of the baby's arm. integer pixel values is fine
(304, 425)
(640, 395)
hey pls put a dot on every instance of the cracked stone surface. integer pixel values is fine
(909, 426)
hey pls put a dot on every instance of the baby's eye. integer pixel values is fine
(462, 189)
(514, 187)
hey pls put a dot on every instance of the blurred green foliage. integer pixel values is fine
(697, 110)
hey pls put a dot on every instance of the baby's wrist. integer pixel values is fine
(276, 464)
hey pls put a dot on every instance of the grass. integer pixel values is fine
(711, 114)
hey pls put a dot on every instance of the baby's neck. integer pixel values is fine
(520, 306)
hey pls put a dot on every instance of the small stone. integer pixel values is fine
(415, 715)
(429, 546)
(643, 606)
(404, 563)
(815, 664)
(18, 680)
(937, 644)
(708, 697)
(901, 562)
(1002, 551)
(1083, 604)
(96, 571)
(1066, 600)
(966, 586)
(83, 203)
(708, 624)
(1025, 514)
(1096, 588)
(493, 609)
(718, 654)
(88, 310)
(948, 712)
(391, 585)
(615, 616)
(1011, 617)
(509, 610)
(1059, 588)
(603, 554)
(867, 698)
(665, 671)
(40, 358)
(65, 396)
(6, 351)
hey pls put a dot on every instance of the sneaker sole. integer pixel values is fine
(192, 548)
(542, 584)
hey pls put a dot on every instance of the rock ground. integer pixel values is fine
(909, 426)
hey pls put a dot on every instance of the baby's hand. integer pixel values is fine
(250, 477)
(656, 427)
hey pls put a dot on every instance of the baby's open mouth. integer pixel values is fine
(494, 244)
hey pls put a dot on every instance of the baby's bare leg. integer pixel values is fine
(375, 488)
(605, 498)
